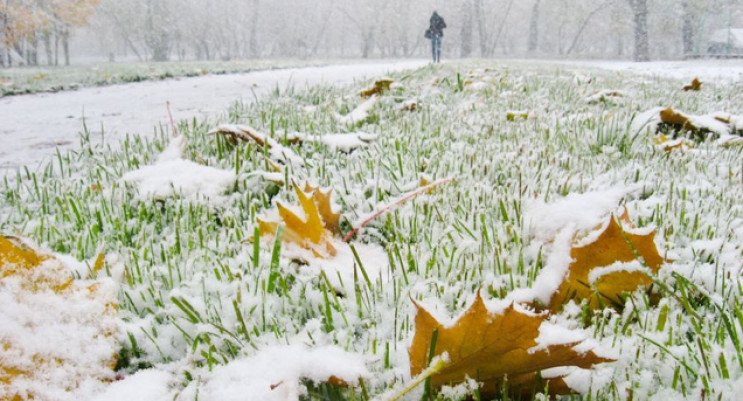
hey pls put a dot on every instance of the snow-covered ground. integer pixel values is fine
(541, 154)
(33, 126)
(706, 70)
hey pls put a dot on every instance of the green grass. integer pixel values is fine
(196, 294)
(25, 80)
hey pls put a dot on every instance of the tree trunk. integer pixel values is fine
(466, 28)
(482, 30)
(56, 46)
(534, 27)
(48, 47)
(254, 30)
(640, 14)
(66, 45)
(32, 50)
(687, 29)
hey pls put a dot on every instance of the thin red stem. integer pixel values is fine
(397, 203)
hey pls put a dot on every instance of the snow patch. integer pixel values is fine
(180, 177)
(275, 373)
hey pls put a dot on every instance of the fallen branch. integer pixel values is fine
(393, 205)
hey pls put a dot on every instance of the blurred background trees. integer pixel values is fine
(28, 26)
(40, 31)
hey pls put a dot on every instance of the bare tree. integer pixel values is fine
(534, 27)
(640, 17)
(466, 26)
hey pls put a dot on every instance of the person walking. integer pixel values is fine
(435, 32)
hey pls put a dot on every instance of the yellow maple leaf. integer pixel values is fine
(614, 245)
(330, 218)
(28, 276)
(308, 231)
(492, 347)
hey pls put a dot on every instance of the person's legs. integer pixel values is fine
(438, 49)
(434, 39)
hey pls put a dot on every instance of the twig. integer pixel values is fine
(397, 203)
(172, 122)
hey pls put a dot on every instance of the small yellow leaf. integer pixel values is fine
(492, 347)
(330, 218)
(513, 115)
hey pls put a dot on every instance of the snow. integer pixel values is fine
(553, 273)
(547, 227)
(342, 268)
(552, 334)
(360, 113)
(145, 385)
(274, 373)
(55, 337)
(344, 142)
(34, 125)
(180, 177)
(581, 211)
(629, 267)
(706, 70)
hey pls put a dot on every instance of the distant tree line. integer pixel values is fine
(160, 30)
(29, 26)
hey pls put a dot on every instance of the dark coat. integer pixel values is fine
(437, 24)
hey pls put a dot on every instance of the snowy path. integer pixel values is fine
(32, 126)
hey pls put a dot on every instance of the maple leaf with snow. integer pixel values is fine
(492, 347)
(609, 266)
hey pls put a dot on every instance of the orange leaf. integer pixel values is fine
(612, 246)
(380, 86)
(491, 347)
(669, 116)
(695, 85)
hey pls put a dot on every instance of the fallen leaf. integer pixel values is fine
(491, 347)
(42, 287)
(698, 126)
(330, 215)
(305, 228)
(668, 145)
(612, 247)
(245, 133)
(513, 115)
(695, 85)
(380, 86)
(605, 96)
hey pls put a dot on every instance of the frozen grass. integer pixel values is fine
(196, 296)
(24, 80)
